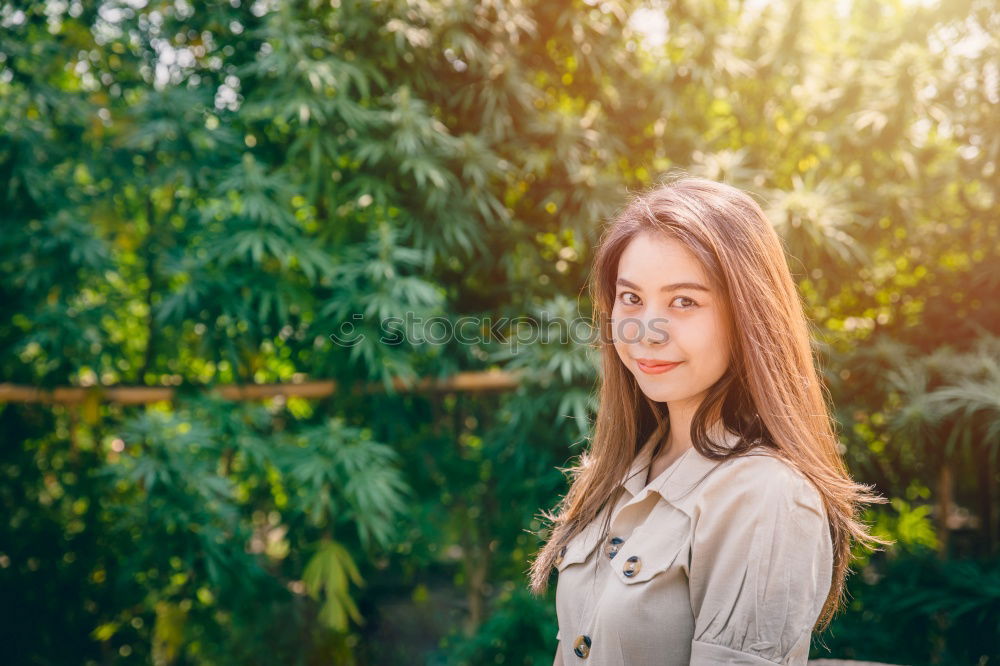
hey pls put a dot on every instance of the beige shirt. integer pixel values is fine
(718, 563)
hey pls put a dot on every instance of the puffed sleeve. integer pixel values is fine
(761, 565)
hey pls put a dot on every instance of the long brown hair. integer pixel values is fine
(771, 394)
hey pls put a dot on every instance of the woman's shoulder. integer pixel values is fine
(761, 460)
(762, 475)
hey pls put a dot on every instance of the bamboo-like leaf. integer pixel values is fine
(326, 580)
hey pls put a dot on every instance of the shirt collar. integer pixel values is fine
(683, 473)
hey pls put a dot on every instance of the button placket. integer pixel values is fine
(627, 521)
(614, 545)
(583, 643)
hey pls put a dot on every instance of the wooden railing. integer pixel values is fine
(487, 380)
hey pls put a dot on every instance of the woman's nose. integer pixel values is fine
(651, 329)
(656, 331)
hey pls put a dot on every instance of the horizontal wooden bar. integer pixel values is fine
(486, 380)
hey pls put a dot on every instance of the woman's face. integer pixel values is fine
(666, 310)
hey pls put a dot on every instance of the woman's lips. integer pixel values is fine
(657, 369)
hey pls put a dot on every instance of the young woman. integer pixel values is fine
(711, 520)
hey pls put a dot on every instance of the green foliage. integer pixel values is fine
(341, 476)
(909, 526)
(949, 610)
(326, 576)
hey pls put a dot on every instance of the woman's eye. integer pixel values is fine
(685, 298)
(624, 298)
(631, 298)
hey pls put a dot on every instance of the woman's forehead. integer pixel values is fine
(665, 261)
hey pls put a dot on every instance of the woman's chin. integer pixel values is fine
(657, 394)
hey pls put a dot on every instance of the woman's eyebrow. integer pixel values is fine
(670, 287)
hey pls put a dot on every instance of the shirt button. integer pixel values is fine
(559, 557)
(581, 647)
(632, 566)
(613, 548)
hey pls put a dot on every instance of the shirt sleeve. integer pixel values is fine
(761, 566)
